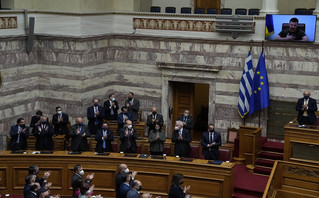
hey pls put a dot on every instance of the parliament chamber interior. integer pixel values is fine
(194, 98)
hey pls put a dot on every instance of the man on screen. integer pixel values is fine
(292, 33)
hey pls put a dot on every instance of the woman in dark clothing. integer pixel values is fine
(176, 190)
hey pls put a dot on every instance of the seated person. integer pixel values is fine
(128, 136)
(293, 32)
(121, 119)
(79, 133)
(44, 133)
(182, 139)
(19, 134)
(211, 141)
(104, 138)
(157, 138)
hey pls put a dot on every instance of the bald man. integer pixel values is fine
(134, 192)
(44, 132)
(128, 136)
(79, 134)
(153, 119)
(306, 108)
(118, 177)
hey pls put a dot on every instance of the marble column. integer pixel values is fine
(316, 11)
(269, 7)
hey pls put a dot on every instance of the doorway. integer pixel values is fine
(195, 97)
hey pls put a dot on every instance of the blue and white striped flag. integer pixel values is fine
(245, 87)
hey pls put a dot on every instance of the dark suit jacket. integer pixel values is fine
(60, 128)
(182, 147)
(133, 109)
(158, 119)
(118, 182)
(108, 141)
(205, 142)
(189, 123)
(120, 122)
(75, 177)
(133, 193)
(22, 145)
(33, 122)
(30, 195)
(92, 119)
(124, 189)
(78, 142)
(44, 138)
(107, 107)
(176, 192)
(312, 108)
(124, 140)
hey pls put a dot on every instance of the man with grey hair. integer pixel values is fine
(182, 138)
(306, 108)
(43, 133)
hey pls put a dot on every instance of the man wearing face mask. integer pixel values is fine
(182, 138)
(79, 134)
(95, 115)
(118, 178)
(306, 108)
(35, 120)
(128, 136)
(78, 174)
(211, 141)
(19, 134)
(44, 133)
(104, 138)
(188, 122)
(154, 118)
(60, 122)
(133, 106)
(35, 170)
(121, 119)
(111, 107)
(134, 192)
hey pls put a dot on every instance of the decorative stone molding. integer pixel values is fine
(189, 67)
(8, 22)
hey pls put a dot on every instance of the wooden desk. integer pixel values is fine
(206, 180)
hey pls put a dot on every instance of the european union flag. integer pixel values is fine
(269, 26)
(260, 89)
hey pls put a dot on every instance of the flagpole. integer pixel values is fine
(259, 118)
(262, 51)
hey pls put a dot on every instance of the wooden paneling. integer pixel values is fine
(3, 176)
(206, 180)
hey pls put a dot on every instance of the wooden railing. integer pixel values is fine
(289, 179)
(249, 143)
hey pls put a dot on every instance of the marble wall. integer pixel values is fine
(71, 71)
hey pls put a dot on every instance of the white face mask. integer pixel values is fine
(157, 128)
(129, 126)
(82, 172)
(186, 114)
(176, 127)
(126, 170)
(113, 99)
(59, 112)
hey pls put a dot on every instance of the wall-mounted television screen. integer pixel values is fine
(291, 27)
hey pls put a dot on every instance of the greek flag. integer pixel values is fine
(245, 87)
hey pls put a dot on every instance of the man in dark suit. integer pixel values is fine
(188, 122)
(128, 136)
(104, 138)
(111, 107)
(133, 106)
(211, 141)
(306, 108)
(33, 191)
(60, 122)
(181, 137)
(134, 192)
(35, 120)
(125, 185)
(35, 170)
(19, 134)
(79, 134)
(78, 174)
(118, 178)
(153, 119)
(95, 115)
(44, 133)
(121, 119)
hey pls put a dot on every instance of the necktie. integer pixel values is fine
(180, 132)
(112, 111)
(104, 142)
(185, 119)
(96, 120)
(305, 113)
(43, 127)
(80, 129)
(18, 140)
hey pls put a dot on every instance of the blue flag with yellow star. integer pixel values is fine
(260, 90)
